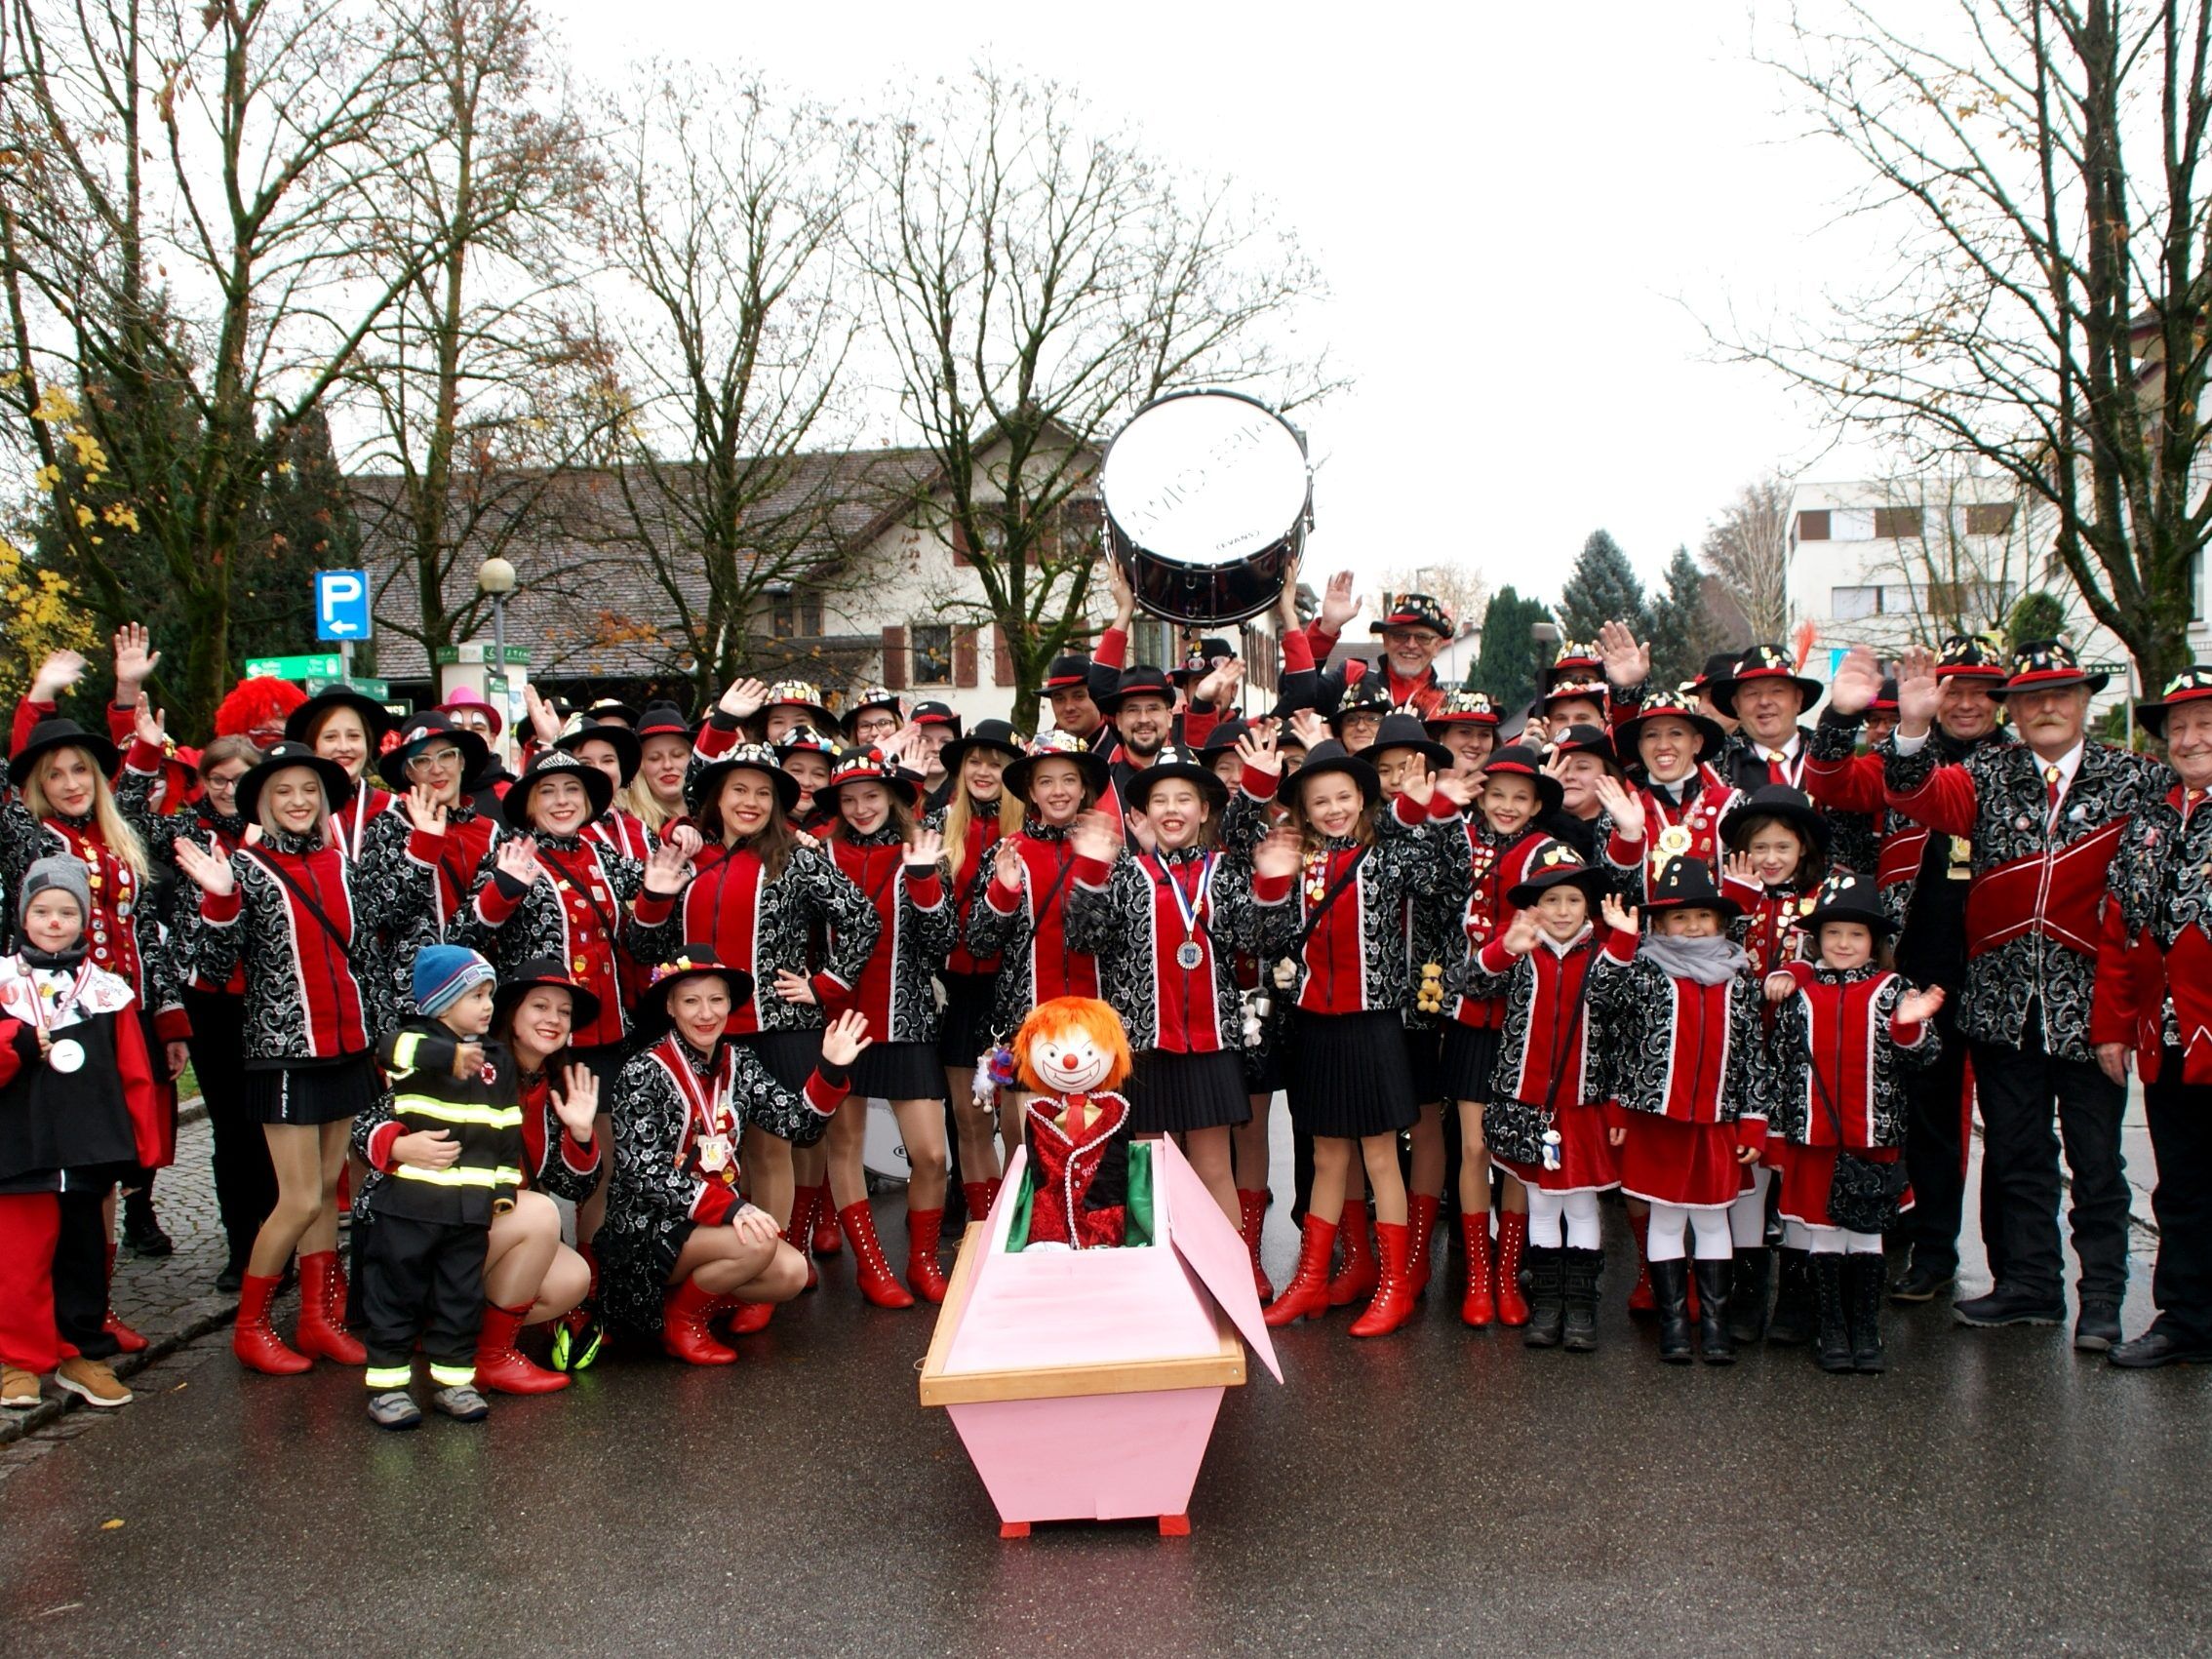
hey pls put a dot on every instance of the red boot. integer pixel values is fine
(127, 1339)
(1357, 1275)
(870, 1271)
(1421, 1225)
(322, 1329)
(1641, 1299)
(1512, 1235)
(826, 1242)
(1476, 1308)
(923, 1230)
(685, 1333)
(1251, 1218)
(804, 1204)
(254, 1340)
(750, 1318)
(1392, 1305)
(500, 1364)
(978, 1195)
(1306, 1297)
(991, 1192)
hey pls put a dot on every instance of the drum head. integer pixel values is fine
(1205, 479)
(883, 1152)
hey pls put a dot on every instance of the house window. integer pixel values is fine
(1853, 604)
(1989, 518)
(783, 614)
(1813, 526)
(1896, 523)
(931, 647)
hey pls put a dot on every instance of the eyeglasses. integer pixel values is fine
(435, 758)
(227, 784)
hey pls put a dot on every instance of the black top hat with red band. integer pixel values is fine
(1966, 657)
(543, 972)
(662, 719)
(868, 766)
(1760, 663)
(1718, 667)
(1885, 699)
(1412, 610)
(936, 713)
(1555, 864)
(1586, 740)
(1520, 761)
(1578, 663)
(1668, 705)
(1686, 884)
(2049, 665)
(1067, 671)
(1465, 706)
(1142, 681)
(2192, 685)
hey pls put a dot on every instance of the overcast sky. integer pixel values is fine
(1523, 213)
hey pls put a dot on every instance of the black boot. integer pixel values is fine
(1794, 1315)
(1670, 1291)
(1546, 1307)
(1864, 1277)
(1833, 1344)
(1581, 1270)
(1746, 1294)
(233, 1274)
(140, 1231)
(1713, 1312)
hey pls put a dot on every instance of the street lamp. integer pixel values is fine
(495, 579)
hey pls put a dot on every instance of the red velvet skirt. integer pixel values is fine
(1586, 1156)
(1693, 1165)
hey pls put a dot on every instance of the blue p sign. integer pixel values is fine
(342, 605)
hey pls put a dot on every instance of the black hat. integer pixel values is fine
(1142, 681)
(514, 805)
(375, 718)
(744, 757)
(1966, 657)
(1760, 663)
(874, 696)
(1172, 763)
(988, 734)
(1404, 730)
(628, 746)
(868, 766)
(1556, 865)
(1056, 745)
(1367, 694)
(1586, 740)
(1197, 662)
(692, 962)
(1686, 884)
(1718, 667)
(936, 713)
(1224, 735)
(1066, 671)
(538, 971)
(2191, 685)
(604, 709)
(1845, 898)
(2049, 665)
(1520, 761)
(663, 720)
(1465, 706)
(806, 740)
(337, 782)
(62, 733)
(1628, 735)
(1577, 661)
(427, 731)
(1328, 756)
(803, 694)
(1412, 610)
(1886, 698)
(1794, 806)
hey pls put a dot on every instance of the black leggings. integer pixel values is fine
(244, 1183)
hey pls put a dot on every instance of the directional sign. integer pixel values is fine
(342, 605)
(380, 689)
(294, 667)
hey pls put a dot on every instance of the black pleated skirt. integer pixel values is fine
(1171, 1093)
(1348, 1076)
(312, 1092)
(899, 1071)
(1424, 1059)
(789, 1056)
(1469, 1061)
(964, 1026)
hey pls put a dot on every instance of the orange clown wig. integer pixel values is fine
(1064, 1019)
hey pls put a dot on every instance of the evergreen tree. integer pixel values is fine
(1602, 588)
(302, 523)
(1683, 634)
(1508, 665)
(2036, 615)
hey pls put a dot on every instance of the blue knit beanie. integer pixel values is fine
(443, 975)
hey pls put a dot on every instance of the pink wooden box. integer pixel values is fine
(1084, 1383)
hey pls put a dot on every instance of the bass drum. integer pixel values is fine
(883, 1152)
(1207, 499)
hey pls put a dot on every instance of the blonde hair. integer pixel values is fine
(640, 798)
(114, 829)
(264, 810)
(960, 815)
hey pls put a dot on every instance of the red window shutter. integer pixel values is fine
(958, 537)
(1002, 657)
(963, 656)
(895, 658)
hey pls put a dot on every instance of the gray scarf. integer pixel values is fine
(1704, 962)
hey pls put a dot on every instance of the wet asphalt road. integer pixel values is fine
(1442, 1492)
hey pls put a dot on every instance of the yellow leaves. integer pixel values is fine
(48, 477)
(121, 516)
(84, 516)
(284, 468)
(54, 404)
(90, 456)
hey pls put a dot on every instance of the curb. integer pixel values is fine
(17, 1424)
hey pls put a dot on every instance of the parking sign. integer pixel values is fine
(342, 605)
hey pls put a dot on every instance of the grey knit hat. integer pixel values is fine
(47, 873)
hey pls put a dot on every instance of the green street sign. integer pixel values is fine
(378, 689)
(452, 653)
(328, 667)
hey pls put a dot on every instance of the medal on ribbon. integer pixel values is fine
(1190, 953)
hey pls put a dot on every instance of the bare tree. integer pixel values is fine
(1035, 284)
(184, 216)
(722, 208)
(1459, 586)
(1747, 545)
(2036, 164)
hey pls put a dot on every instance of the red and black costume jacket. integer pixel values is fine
(914, 921)
(1546, 1052)
(2154, 988)
(583, 908)
(1079, 1182)
(1854, 833)
(60, 1129)
(1130, 915)
(1680, 1049)
(621, 830)
(1680, 822)
(2034, 911)
(1424, 696)
(1431, 926)
(1026, 928)
(1497, 864)
(358, 817)
(1843, 1026)
(1767, 929)
(972, 869)
(226, 832)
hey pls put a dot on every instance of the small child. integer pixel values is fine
(1682, 1022)
(1541, 1123)
(1840, 1028)
(453, 1151)
(77, 1108)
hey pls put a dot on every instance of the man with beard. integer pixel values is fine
(1142, 709)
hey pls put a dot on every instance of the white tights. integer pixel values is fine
(1746, 1216)
(1547, 1211)
(1665, 1242)
(1829, 1241)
